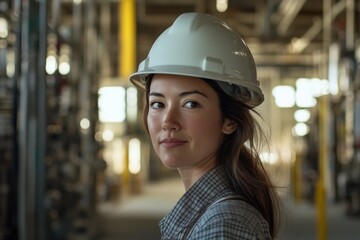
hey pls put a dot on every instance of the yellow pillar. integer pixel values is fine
(127, 60)
(323, 156)
(127, 37)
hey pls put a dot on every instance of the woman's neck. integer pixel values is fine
(190, 176)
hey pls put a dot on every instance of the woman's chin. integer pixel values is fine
(171, 164)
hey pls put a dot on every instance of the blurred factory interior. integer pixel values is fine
(72, 142)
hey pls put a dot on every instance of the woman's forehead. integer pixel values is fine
(167, 80)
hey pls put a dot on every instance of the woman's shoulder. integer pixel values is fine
(236, 218)
(234, 209)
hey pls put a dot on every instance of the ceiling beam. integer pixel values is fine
(288, 10)
(284, 60)
(298, 45)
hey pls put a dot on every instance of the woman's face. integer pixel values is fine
(184, 121)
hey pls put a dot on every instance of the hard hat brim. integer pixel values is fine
(139, 80)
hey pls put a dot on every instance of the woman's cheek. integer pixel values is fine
(152, 126)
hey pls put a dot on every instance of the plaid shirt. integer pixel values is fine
(194, 218)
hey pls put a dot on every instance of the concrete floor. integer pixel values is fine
(137, 217)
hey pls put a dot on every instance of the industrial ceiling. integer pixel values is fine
(282, 34)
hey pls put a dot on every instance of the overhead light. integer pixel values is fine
(308, 89)
(305, 100)
(64, 65)
(3, 28)
(284, 96)
(302, 115)
(51, 64)
(64, 59)
(319, 87)
(108, 135)
(221, 5)
(108, 111)
(301, 129)
(304, 95)
(85, 123)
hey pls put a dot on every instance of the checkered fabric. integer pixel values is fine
(192, 218)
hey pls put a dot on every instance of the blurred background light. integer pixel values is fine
(302, 115)
(304, 96)
(134, 156)
(108, 135)
(301, 129)
(269, 157)
(51, 65)
(221, 5)
(85, 123)
(111, 104)
(131, 104)
(3, 28)
(284, 96)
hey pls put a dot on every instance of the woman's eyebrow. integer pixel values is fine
(156, 94)
(193, 92)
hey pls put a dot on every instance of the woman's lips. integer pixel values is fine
(172, 142)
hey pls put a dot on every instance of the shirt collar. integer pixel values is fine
(207, 189)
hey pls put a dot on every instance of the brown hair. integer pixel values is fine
(239, 154)
(240, 157)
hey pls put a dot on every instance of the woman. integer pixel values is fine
(201, 87)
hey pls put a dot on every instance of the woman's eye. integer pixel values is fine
(191, 104)
(156, 105)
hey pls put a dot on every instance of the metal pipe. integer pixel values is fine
(14, 204)
(41, 122)
(350, 25)
(289, 10)
(85, 102)
(23, 123)
(323, 128)
(105, 30)
(316, 28)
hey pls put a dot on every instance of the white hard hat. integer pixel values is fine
(201, 45)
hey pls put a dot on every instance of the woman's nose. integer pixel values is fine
(171, 121)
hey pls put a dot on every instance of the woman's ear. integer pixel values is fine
(229, 126)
